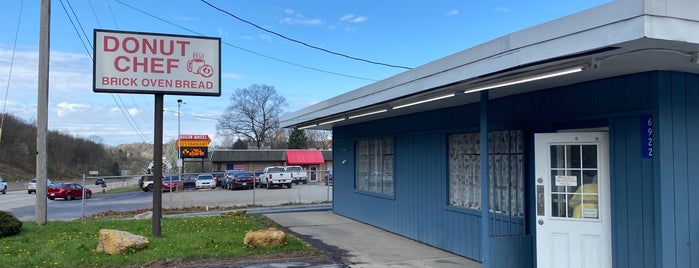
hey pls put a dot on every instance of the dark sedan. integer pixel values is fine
(241, 180)
(67, 191)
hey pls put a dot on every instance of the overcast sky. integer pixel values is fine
(393, 32)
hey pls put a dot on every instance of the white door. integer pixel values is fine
(573, 218)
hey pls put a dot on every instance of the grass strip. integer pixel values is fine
(74, 243)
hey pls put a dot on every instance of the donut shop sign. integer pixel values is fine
(132, 62)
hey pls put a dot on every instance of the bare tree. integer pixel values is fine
(279, 139)
(321, 139)
(253, 114)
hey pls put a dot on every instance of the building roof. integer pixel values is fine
(617, 38)
(262, 155)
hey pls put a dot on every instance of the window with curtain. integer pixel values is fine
(506, 169)
(374, 166)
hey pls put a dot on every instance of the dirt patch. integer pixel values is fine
(312, 257)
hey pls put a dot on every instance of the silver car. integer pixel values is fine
(31, 188)
(205, 181)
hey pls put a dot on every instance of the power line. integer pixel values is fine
(94, 14)
(301, 42)
(112, 13)
(138, 130)
(247, 50)
(12, 62)
(131, 95)
(87, 38)
(89, 52)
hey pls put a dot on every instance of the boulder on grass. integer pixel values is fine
(234, 213)
(116, 242)
(264, 238)
(144, 216)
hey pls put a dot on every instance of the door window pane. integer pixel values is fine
(574, 189)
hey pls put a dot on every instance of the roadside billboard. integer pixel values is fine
(151, 63)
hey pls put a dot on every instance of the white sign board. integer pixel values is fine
(566, 180)
(131, 62)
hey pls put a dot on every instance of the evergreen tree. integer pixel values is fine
(240, 144)
(298, 139)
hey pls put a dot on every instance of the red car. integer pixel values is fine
(67, 191)
(171, 183)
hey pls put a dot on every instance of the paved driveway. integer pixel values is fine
(23, 205)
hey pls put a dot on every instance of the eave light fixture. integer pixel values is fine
(331, 121)
(308, 126)
(527, 79)
(368, 113)
(426, 100)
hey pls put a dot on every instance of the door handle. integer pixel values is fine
(540, 200)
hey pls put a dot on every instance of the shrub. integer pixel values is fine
(9, 224)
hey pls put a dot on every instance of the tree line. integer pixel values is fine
(251, 121)
(68, 157)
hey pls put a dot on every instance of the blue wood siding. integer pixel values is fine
(677, 165)
(632, 188)
(655, 223)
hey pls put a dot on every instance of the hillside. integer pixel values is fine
(68, 156)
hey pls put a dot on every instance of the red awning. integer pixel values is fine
(304, 157)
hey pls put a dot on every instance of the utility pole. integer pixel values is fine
(42, 111)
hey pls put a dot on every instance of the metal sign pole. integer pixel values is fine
(83, 198)
(158, 165)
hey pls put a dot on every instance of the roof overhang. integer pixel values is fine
(618, 38)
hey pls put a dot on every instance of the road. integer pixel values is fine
(23, 205)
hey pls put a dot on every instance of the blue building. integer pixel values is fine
(590, 125)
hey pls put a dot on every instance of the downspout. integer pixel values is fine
(485, 184)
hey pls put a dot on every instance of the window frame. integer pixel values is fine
(378, 160)
(508, 152)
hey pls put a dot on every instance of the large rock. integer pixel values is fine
(116, 242)
(144, 216)
(234, 213)
(264, 238)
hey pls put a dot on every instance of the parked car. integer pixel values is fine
(227, 177)
(3, 186)
(241, 180)
(205, 181)
(146, 183)
(328, 178)
(189, 182)
(31, 188)
(171, 183)
(219, 177)
(67, 191)
(101, 181)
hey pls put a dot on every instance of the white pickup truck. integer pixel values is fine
(275, 176)
(298, 174)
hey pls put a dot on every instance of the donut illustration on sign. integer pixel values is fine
(197, 65)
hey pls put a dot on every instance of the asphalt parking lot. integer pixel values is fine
(298, 194)
(23, 204)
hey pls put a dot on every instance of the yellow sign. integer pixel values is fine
(194, 143)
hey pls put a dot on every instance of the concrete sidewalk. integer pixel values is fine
(362, 245)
